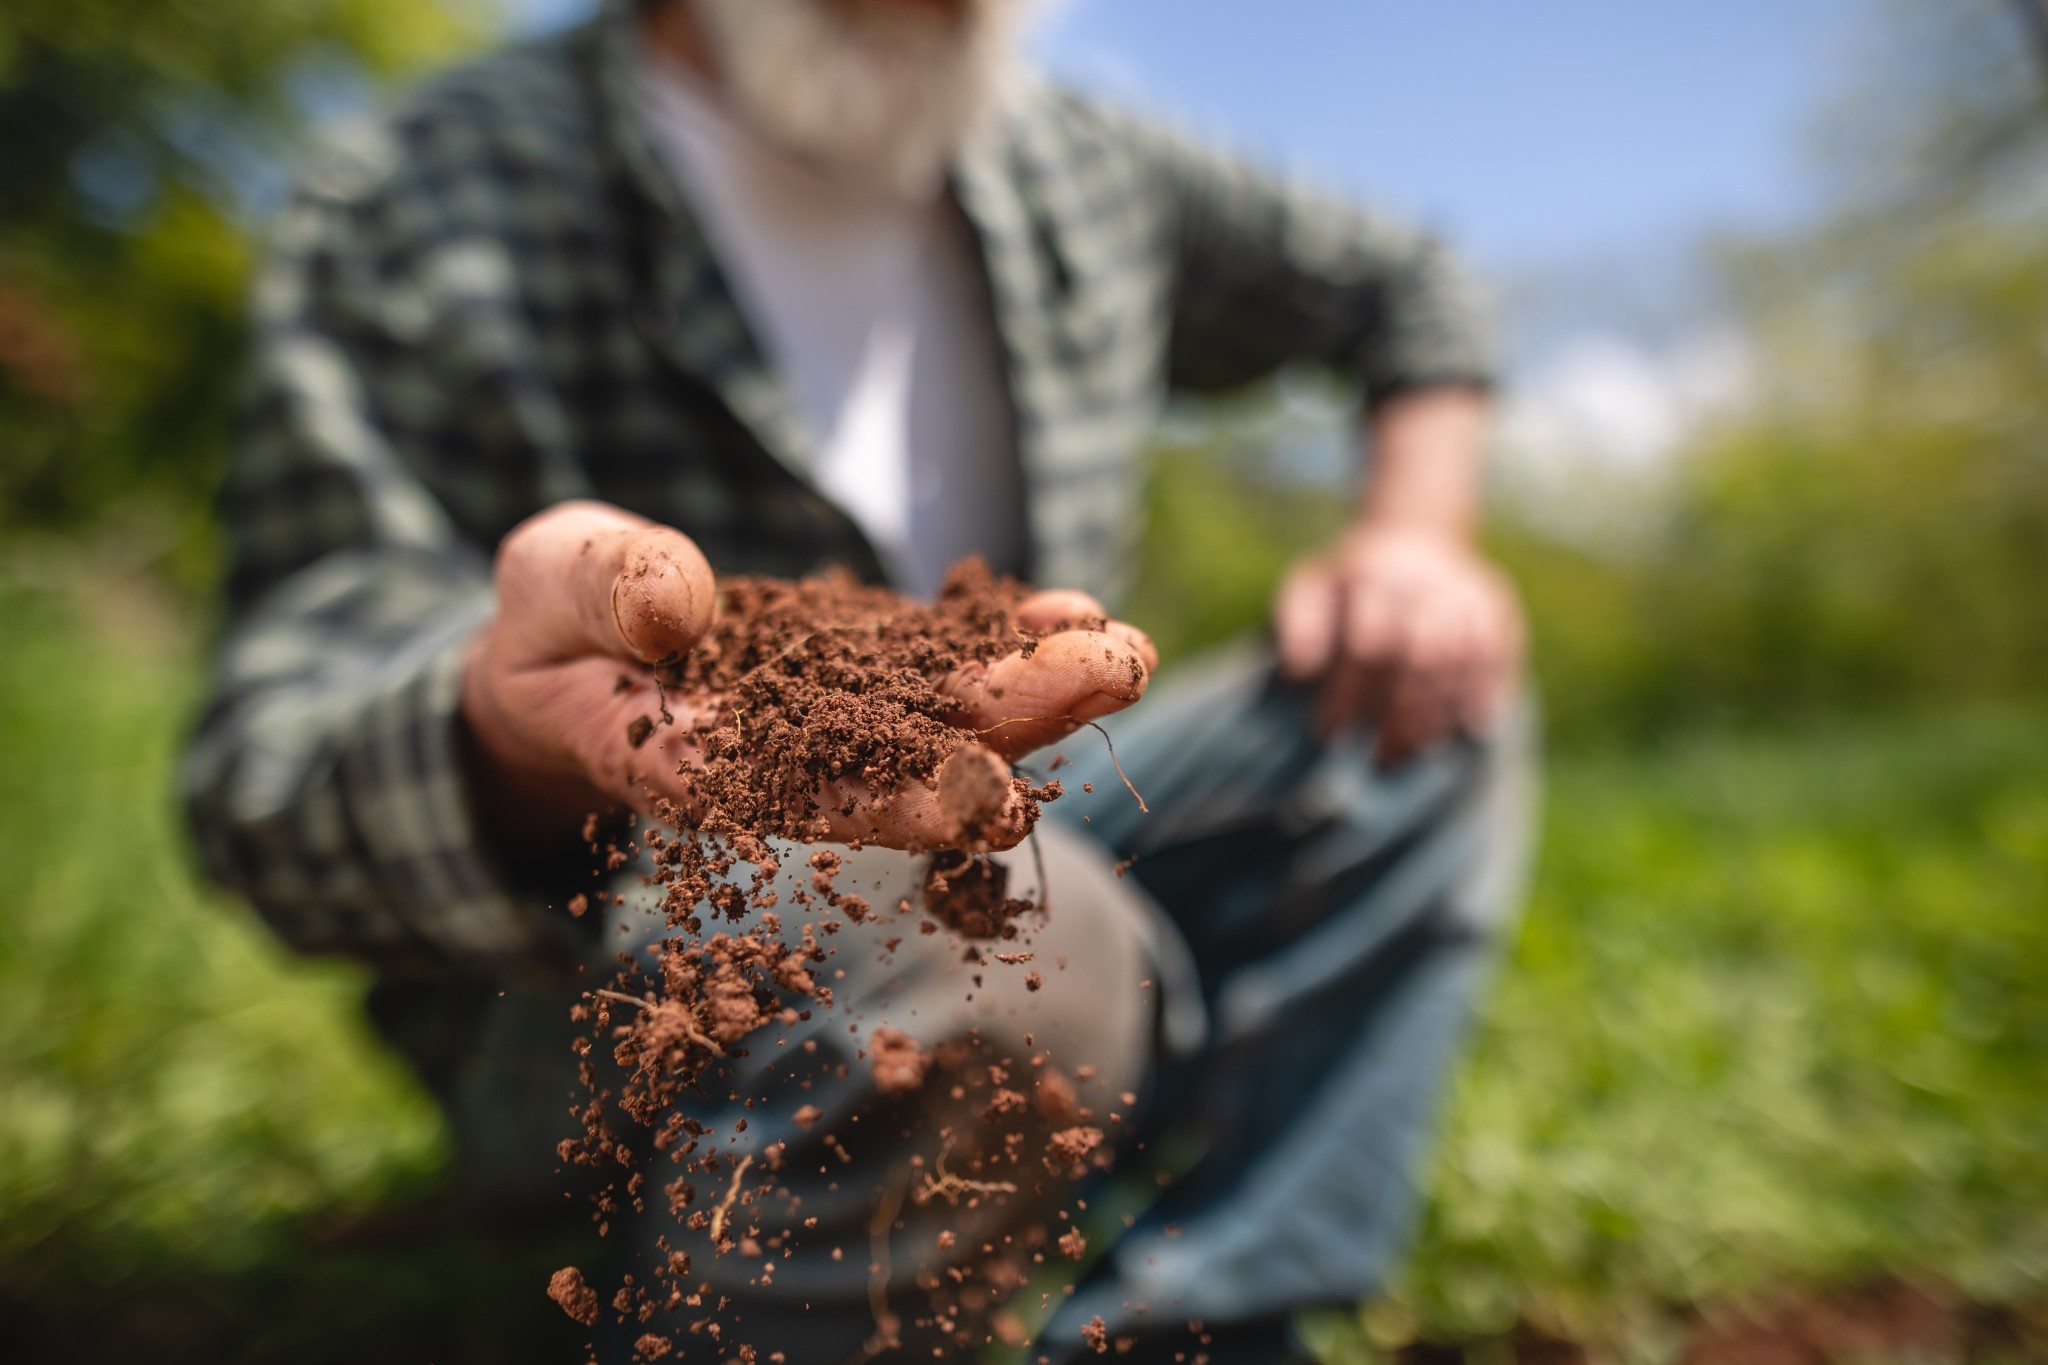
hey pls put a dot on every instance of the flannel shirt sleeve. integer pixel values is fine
(1271, 273)
(325, 782)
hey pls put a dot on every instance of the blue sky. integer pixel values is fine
(1537, 133)
(1579, 151)
(1532, 131)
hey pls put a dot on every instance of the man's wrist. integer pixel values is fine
(1428, 454)
(1375, 527)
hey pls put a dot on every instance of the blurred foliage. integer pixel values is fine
(1867, 528)
(205, 1154)
(142, 139)
(1776, 1014)
(1217, 539)
(136, 1010)
(1775, 1019)
(1944, 107)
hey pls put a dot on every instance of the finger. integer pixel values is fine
(662, 597)
(974, 804)
(611, 727)
(1306, 623)
(1022, 702)
(1340, 701)
(1497, 670)
(1432, 669)
(1514, 664)
(1061, 609)
(1140, 643)
(1375, 622)
(1370, 622)
(1058, 609)
(586, 578)
(1413, 703)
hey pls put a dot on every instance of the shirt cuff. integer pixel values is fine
(1440, 334)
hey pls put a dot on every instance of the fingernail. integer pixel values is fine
(1099, 704)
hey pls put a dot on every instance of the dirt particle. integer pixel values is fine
(898, 1062)
(567, 1288)
(968, 893)
(1055, 1099)
(813, 704)
(1095, 1333)
(1070, 1145)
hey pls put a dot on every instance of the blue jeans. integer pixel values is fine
(1320, 927)
(1340, 919)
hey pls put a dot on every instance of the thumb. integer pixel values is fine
(587, 578)
(1305, 621)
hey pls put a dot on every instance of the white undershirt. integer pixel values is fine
(872, 308)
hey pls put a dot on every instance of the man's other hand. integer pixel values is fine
(1407, 630)
(590, 597)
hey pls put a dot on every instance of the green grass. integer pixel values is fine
(175, 1085)
(1777, 1017)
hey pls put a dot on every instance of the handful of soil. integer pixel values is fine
(816, 711)
(827, 695)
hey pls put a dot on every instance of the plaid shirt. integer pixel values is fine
(495, 298)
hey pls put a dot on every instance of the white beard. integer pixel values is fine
(889, 96)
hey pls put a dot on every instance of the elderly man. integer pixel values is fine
(810, 282)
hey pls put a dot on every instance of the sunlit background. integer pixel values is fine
(1765, 1072)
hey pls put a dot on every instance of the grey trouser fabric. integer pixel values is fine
(851, 1181)
(1328, 926)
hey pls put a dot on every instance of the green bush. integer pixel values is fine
(144, 141)
(1775, 1018)
(176, 1087)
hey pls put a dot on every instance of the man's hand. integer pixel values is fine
(1406, 629)
(590, 596)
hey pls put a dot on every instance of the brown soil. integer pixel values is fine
(811, 698)
(1882, 1322)
(578, 1299)
(1096, 1335)
(827, 680)
(898, 1061)
(1890, 1319)
(969, 894)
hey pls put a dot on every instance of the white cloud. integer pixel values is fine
(1604, 401)
(1590, 430)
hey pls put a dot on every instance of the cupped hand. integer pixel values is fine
(591, 597)
(1407, 631)
(1077, 667)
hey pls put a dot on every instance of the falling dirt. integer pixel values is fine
(806, 709)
